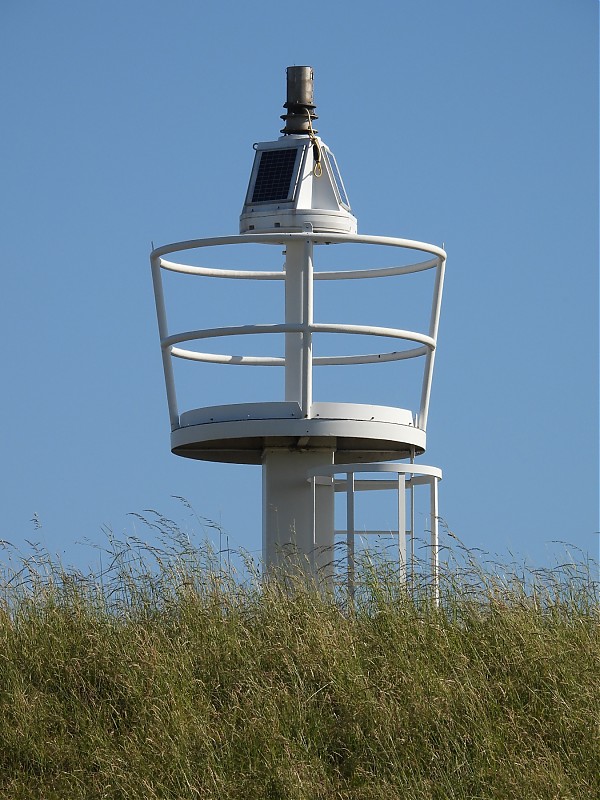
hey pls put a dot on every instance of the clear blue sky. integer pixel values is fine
(471, 122)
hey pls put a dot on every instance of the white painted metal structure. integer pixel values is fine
(299, 433)
(406, 477)
(301, 441)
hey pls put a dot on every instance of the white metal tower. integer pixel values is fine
(309, 448)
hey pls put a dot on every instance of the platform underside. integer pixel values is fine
(240, 433)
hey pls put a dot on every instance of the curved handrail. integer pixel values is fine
(428, 344)
(329, 470)
(330, 275)
(283, 238)
(373, 330)
(376, 272)
(316, 327)
(279, 361)
(214, 272)
(230, 330)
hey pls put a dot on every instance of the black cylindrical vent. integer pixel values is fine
(300, 100)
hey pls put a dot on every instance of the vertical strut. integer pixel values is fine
(435, 577)
(307, 321)
(350, 532)
(402, 525)
(294, 307)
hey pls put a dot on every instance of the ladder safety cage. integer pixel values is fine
(426, 343)
(405, 478)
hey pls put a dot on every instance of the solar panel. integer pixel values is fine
(338, 179)
(274, 177)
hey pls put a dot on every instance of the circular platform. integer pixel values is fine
(240, 433)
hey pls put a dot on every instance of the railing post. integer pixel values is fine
(434, 322)
(163, 332)
(435, 578)
(412, 531)
(402, 525)
(350, 532)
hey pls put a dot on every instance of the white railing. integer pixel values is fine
(303, 360)
(405, 478)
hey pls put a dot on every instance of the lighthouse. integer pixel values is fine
(310, 447)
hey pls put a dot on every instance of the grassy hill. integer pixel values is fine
(167, 677)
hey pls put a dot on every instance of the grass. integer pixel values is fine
(166, 675)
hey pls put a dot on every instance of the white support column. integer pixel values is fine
(294, 314)
(307, 321)
(299, 310)
(298, 528)
(298, 515)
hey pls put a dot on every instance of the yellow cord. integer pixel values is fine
(318, 167)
